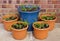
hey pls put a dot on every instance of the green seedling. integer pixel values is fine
(19, 25)
(37, 25)
(48, 17)
(33, 8)
(41, 26)
(10, 18)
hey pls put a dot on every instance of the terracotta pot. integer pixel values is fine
(19, 34)
(40, 33)
(7, 24)
(51, 22)
(0, 20)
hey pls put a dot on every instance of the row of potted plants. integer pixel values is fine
(29, 13)
(46, 23)
(19, 28)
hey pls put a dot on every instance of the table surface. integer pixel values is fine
(52, 35)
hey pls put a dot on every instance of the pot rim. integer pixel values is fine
(48, 20)
(29, 11)
(19, 29)
(39, 23)
(10, 20)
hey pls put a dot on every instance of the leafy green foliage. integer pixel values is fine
(10, 18)
(41, 26)
(19, 25)
(25, 21)
(33, 8)
(48, 17)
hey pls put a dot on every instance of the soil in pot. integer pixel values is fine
(40, 30)
(19, 30)
(40, 20)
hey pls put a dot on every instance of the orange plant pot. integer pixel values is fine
(40, 33)
(7, 24)
(50, 22)
(19, 34)
(0, 20)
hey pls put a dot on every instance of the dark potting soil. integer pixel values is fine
(40, 20)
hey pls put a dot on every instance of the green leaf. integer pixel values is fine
(7, 19)
(42, 25)
(37, 25)
(20, 27)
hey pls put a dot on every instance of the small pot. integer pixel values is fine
(40, 33)
(51, 22)
(19, 33)
(7, 24)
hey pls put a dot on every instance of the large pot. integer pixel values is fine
(31, 16)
